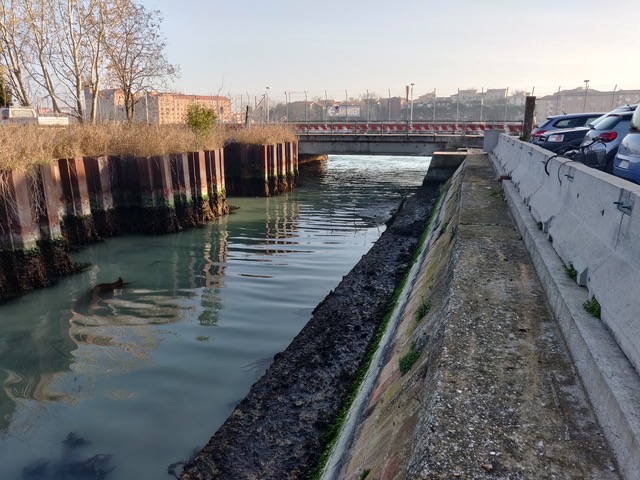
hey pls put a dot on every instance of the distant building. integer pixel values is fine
(155, 108)
(495, 95)
(580, 100)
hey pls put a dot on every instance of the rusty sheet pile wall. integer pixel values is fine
(80, 201)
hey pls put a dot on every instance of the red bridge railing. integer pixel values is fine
(397, 128)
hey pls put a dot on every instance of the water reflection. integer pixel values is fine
(163, 360)
(70, 465)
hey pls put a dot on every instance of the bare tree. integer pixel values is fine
(12, 51)
(136, 52)
(78, 55)
(98, 26)
(39, 17)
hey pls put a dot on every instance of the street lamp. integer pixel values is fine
(586, 89)
(267, 103)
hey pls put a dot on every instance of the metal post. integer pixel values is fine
(389, 107)
(558, 100)
(613, 100)
(286, 105)
(435, 99)
(267, 103)
(458, 105)
(506, 95)
(586, 89)
(411, 114)
(305, 107)
(367, 105)
(326, 105)
(406, 92)
(346, 107)
(481, 101)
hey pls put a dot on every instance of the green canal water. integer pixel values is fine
(132, 381)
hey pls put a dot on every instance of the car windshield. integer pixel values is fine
(608, 122)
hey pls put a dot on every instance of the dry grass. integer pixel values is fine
(264, 135)
(25, 146)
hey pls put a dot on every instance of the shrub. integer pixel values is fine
(200, 119)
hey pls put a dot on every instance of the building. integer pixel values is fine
(495, 95)
(581, 100)
(155, 108)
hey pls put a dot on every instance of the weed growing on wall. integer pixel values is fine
(408, 359)
(593, 307)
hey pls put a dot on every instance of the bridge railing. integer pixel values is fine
(404, 128)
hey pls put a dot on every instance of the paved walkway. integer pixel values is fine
(494, 394)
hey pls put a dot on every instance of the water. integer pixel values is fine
(133, 380)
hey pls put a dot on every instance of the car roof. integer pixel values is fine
(574, 115)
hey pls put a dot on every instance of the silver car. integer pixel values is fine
(627, 161)
(609, 131)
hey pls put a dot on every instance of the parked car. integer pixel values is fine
(559, 122)
(558, 141)
(610, 131)
(626, 163)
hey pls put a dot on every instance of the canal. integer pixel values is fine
(132, 380)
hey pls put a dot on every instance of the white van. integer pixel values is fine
(13, 115)
(27, 115)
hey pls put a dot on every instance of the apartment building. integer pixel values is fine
(155, 108)
(582, 100)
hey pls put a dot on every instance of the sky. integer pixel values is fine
(346, 47)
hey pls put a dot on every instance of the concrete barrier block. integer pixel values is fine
(585, 229)
(613, 284)
(548, 200)
(505, 152)
(491, 138)
(529, 175)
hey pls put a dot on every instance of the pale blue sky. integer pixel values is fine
(242, 46)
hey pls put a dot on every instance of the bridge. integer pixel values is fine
(393, 138)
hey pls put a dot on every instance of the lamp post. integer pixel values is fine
(267, 103)
(586, 89)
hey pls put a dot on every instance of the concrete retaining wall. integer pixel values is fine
(593, 222)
